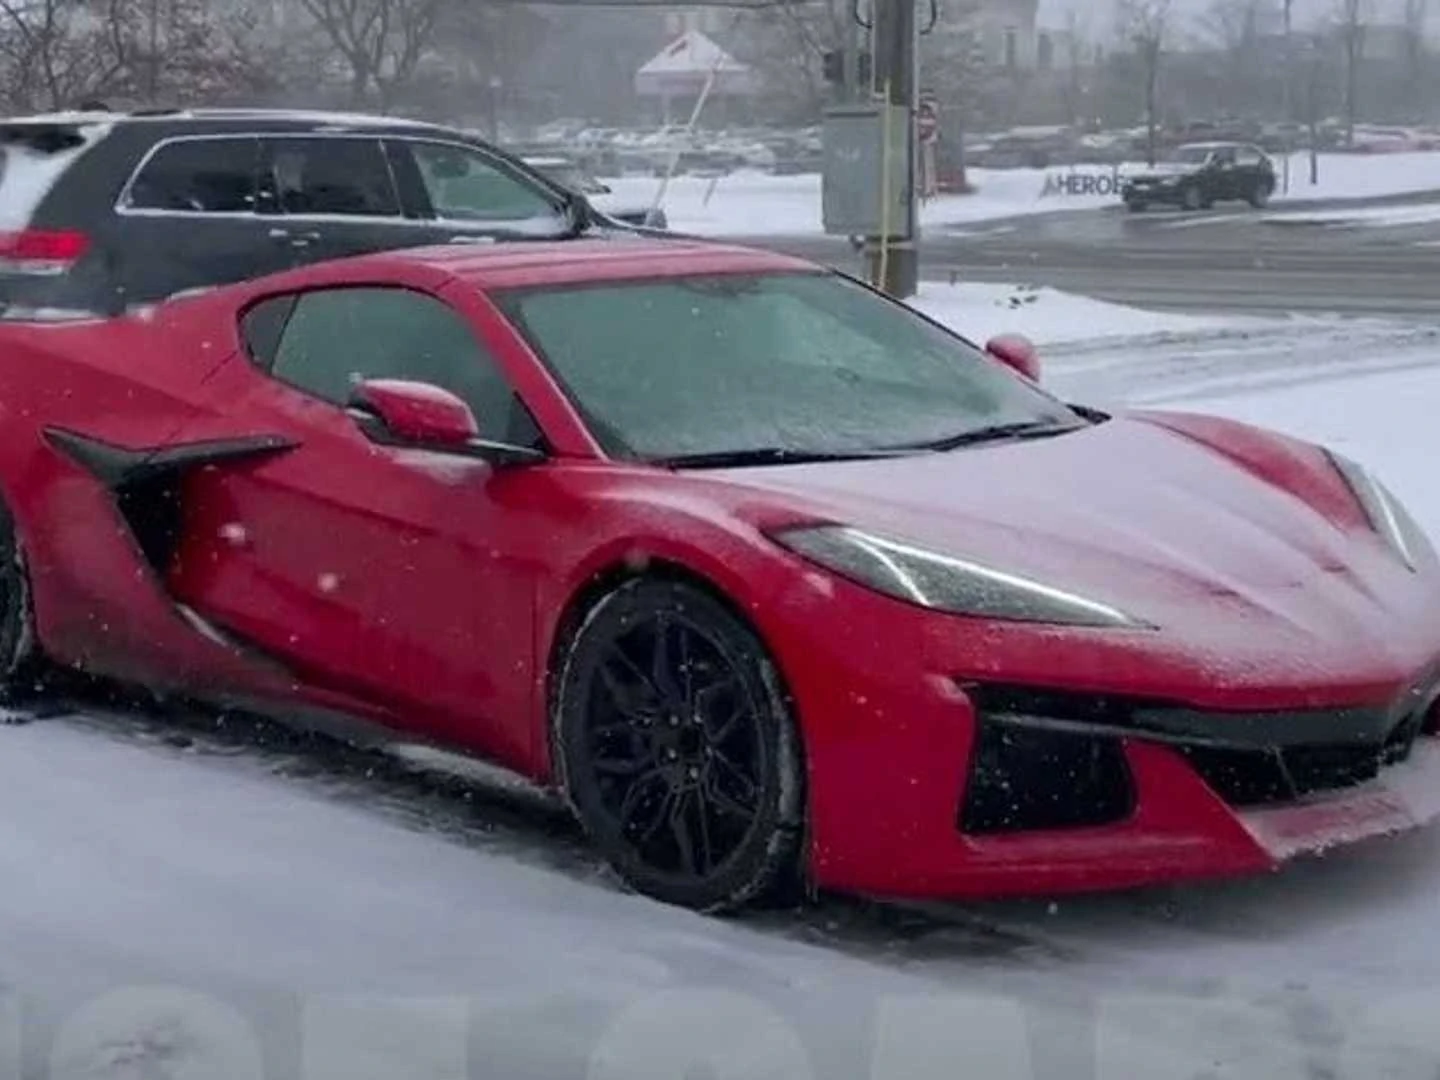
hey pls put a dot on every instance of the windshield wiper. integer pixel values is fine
(1025, 429)
(768, 455)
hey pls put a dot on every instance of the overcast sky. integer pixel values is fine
(1100, 14)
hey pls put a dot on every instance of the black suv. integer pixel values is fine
(1198, 175)
(100, 211)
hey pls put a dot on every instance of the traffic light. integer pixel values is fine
(834, 67)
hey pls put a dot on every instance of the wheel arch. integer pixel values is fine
(602, 583)
(797, 878)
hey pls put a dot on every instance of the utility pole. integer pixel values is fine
(1287, 110)
(853, 91)
(894, 260)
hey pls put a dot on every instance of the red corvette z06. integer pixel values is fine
(768, 575)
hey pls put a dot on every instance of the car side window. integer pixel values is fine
(262, 326)
(465, 185)
(335, 338)
(338, 175)
(214, 176)
(1249, 156)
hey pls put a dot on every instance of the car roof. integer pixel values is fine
(1214, 146)
(522, 264)
(161, 116)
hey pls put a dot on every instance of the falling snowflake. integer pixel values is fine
(233, 532)
(329, 582)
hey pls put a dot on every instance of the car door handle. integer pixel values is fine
(295, 239)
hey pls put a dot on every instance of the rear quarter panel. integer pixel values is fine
(132, 382)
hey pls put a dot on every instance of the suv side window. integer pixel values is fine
(334, 338)
(462, 184)
(336, 175)
(206, 176)
(1249, 155)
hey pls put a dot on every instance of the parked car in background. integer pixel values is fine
(570, 174)
(103, 210)
(1198, 175)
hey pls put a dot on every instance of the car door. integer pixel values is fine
(328, 196)
(1251, 170)
(460, 191)
(1227, 174)
(187, 219)
(380, 572)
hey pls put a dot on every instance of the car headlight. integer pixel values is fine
(1387, 514)
(944, 582)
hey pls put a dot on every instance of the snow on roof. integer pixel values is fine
(692, 53)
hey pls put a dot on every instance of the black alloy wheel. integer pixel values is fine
(677, 748)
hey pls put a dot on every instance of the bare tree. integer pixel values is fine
(380, 41)
(51, 54)
(1076, 57)
(786, 43)
(1416, 51)
(1235, 27)
(54, 53)
(1145, 25)
(1352, 41)
(1315, 84)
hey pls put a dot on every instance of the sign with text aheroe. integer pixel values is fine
(857, 196)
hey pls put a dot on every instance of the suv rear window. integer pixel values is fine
(206, 176)
(33, 156)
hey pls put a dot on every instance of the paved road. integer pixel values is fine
(1230, 259)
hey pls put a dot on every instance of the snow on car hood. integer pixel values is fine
(1127, 513)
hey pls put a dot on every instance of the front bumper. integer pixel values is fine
(1152, 193)
(893, 737)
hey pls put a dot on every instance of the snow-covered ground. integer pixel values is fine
(756, 204)
(1374, 216)
(216, 907)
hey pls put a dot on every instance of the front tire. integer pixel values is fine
(18, 649)
(1260, 196)
(1192, 199)
(678, 749)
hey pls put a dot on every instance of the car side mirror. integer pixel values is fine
(399, 412)
(1016, 352)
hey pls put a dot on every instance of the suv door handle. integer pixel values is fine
(295, 239)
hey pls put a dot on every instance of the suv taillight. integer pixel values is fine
(41, 251)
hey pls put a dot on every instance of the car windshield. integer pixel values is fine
(790, 363)
(1191, 155)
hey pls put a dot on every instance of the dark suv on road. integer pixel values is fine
(100, 211)
(1198, 175)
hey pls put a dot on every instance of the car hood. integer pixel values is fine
(1130, 513)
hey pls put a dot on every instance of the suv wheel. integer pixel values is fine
(1192, 199)
(1260, 197)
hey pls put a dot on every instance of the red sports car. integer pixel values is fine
(770, 576)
